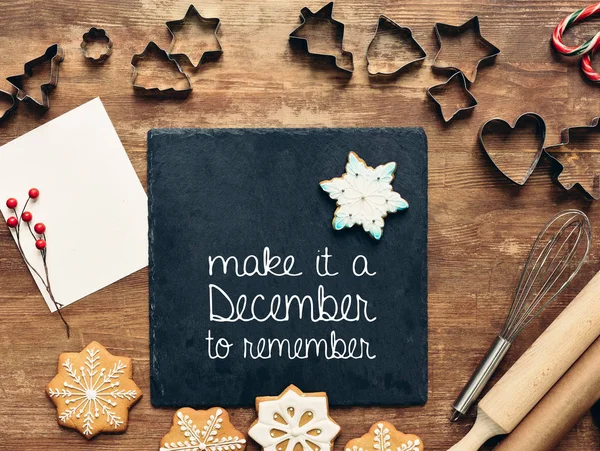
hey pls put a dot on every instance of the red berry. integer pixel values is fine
(12, 203)
(40, 244)
(34, 193)
(39, 228)
(12, 222)
(26, 216)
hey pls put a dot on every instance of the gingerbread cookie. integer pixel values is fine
(294, 421)
(93, 391)
(364, 196)
(383, 436)
(201, 430)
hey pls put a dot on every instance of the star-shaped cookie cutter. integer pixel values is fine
(152, 47)
(453, 30)
(175, 25)
(407, 33)
(94, 35)
(325, 13)
(439, 87)
(55, 55)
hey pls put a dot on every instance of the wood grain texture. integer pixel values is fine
(481, 225)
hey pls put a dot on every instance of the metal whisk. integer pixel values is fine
(556, 256)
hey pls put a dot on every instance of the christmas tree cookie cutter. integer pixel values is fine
(152, 47)
(324, 14)
(406, 33)
(12, 100)
(92, 36)
(442, 29)
(464, 87)
(54, 55)
(553, 152)
(192, 14)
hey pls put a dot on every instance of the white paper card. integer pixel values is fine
(91, 201)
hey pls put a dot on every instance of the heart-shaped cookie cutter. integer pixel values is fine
(540, 130)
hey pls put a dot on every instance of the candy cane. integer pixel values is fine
(586, 66)
(568, 21)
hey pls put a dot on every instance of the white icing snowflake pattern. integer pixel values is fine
(92, 392)
(294, 419)
(206, 438)
(364, 196)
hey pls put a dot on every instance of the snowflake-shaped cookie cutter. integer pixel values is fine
(364, 196)
(203, 430)
(294, 418)
(93, 391)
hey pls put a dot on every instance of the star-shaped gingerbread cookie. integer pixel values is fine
(294, 421)
(203, 430)
(93, 391)
(383, 436)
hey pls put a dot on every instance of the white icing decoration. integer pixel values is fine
(93, 392)
(207, 438)
(318, 430)
(364, 196)
(381, 442)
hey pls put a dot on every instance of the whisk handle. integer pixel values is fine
(480, 377)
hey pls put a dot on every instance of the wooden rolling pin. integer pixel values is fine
(560, 410)
(538, 369)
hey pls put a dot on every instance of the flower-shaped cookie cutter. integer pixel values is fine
(91, 37)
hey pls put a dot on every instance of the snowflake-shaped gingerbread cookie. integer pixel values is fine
(203, 430)
(364, 196)
(93, 391)
(383, 436)
(294, 421)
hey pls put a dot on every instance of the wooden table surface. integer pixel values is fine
(481, 225)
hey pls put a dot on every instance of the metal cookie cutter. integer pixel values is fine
(462, 80)
(324, 14)
(92, 36)
(405, 33)
(55, 55)
(552, 152)
(541, 132)
(152, 48)
(13, 104)
(192, 14)
(452, 30)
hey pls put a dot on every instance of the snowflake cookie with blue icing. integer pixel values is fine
(203, 430)
(294, 421)
(364, 196)
(93, 391)
(383, 436)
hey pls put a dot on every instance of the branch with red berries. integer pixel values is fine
(38, 234)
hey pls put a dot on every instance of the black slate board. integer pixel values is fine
(232, 192)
